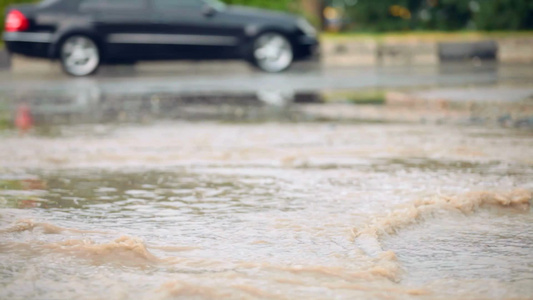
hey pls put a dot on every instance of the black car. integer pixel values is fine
(83, 34)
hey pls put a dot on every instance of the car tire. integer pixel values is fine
(272, 52)
(79, 55)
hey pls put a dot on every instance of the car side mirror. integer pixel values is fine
(209, 10)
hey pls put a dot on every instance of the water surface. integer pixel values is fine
(319, 211)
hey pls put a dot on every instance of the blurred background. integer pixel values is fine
(396, 15)
(371, 53)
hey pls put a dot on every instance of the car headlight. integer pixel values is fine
(306, 27)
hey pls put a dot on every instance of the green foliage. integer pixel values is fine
(505, 14)
(375, 15)
(448, 15)
(283, 5)
(380, 15)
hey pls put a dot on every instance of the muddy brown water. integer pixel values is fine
(178, 210)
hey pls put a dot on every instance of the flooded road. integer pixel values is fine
(132, 82)
(181, 210)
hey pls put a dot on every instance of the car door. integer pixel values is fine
(123, 26)
(194, 30)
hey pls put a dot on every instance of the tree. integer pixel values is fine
(398, 15)
(504, 15)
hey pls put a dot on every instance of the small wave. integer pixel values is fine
(368, 238)
(175, 248)
(383, 266)
(256, 292)
(467, 203)
(180, 289)
(125, 250)
(46, 228)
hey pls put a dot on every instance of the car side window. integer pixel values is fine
(176, 4)
(122, 3)
(112, 4)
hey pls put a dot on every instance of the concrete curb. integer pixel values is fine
(369, 52)
(485, 50)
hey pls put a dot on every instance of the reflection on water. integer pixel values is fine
(57, 100)
(267, 211)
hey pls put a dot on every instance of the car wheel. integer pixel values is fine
(79, 55)
(272, 52)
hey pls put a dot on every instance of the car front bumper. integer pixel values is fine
(307, 47)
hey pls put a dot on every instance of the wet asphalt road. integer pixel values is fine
(128, 80)
(237, 93)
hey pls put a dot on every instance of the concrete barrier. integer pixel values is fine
(454, 51)
(346, 52)
(370, 53)
(349, 53)
(408, 53)
(514, 50)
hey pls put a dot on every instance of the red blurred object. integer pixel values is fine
(23, 120)
(28, 204)
(16, 21)
(33, 184)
